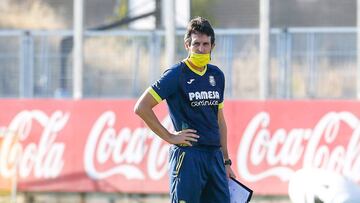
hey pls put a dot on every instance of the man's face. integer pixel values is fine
(200, 44)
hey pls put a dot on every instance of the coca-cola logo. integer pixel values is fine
(31, 147)
(125, 150)
(282, 149)
(42, 159)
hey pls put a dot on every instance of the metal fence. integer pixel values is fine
(305, 63)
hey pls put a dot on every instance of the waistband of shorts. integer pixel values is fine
(201, 147)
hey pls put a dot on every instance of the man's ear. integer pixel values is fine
(186, 45)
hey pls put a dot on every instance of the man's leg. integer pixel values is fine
(217, 187)
(187, 177)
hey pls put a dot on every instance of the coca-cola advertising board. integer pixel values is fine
(102, 146)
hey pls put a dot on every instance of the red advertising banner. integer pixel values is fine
(101, 145)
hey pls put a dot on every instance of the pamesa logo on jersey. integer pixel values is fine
(204, 98)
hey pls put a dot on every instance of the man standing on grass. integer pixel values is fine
(194, 92)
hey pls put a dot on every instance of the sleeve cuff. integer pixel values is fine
(154, 94)
(221, 105)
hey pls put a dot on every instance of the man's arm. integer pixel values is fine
(144, 109)
(223, 141)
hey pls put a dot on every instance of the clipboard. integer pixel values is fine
(239, 193)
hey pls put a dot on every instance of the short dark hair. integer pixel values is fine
(199, 25)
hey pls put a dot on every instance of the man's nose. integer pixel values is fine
(201, 49)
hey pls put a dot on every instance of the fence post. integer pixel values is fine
(288, 66)
(154, 56)
(285, 83)
(311, 65)
(229, 47)
(26, 69)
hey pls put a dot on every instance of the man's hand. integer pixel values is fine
(184, 137)
(229, 172)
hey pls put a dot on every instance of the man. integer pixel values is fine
(194, 91)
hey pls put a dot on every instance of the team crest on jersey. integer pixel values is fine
(212, 80)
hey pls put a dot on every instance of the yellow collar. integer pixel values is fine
(201, 73)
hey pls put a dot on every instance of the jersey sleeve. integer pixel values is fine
(221, 104)
(165, 86)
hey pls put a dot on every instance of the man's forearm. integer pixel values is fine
(223, 141)
(154, 124)
(223, 135)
